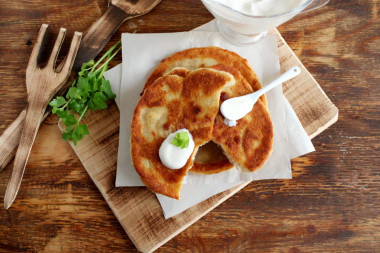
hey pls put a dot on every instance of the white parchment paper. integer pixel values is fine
(140, 57)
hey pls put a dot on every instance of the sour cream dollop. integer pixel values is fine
(174, 157)
(230, 123)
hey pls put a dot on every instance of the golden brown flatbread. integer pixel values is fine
(203, 57)
(209, 159)
(247, 145)
(171, 103)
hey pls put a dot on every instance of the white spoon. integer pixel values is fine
(236, 108)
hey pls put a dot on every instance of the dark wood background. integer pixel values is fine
(331, 205)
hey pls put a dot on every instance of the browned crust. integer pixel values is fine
(161, 179)
(249, 144)
(210, 160)
(239, 142)
(229, 62)
(178, 72)
(240, 88)
(212, 167)
(219, 56)
(186, 109)
(237, 147)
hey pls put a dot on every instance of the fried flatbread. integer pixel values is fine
(173, 102)
(203, 57)
(247, 145)
(210, 158)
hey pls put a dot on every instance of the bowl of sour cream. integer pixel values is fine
(243, 22)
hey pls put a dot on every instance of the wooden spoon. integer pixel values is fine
(101, 32)
(92, 43)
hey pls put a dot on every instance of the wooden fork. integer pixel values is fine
(92, 43)
(41, 85)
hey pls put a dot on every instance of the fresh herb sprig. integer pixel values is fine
(89, 91)
(181, 139)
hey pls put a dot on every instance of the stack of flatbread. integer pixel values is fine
(185, 91)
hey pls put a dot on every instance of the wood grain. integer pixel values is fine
(314, 109)
(145, 223)
(41, 85)
(331, 205)
(137, 209)
(10, 139)
(97, 36)
(102, 30)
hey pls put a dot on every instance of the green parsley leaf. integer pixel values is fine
(74, 93)
(91, 104)
(90, 91)
(86, 67)
(77, 106)
(57, 102)
(62, 114)
(83, 83)
(106, 88)
(56, 110)
(70, 121)
(79, 132)
(67, 135)
(100, 101)
(181, 139)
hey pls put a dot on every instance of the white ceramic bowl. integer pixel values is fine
(243, 29)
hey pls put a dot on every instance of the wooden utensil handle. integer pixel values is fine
(99, 34)
(28, 129)
(92, 43)
(10, 139)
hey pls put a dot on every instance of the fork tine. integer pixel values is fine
(72, 53)
(41, 87)
(34, 57)
(56, 48)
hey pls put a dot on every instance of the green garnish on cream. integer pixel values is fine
(181, 139)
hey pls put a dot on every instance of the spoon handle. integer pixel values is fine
(291, 73)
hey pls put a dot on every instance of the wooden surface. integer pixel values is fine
(41, 85)
(95, 39)
(138, 210)
(331, 205)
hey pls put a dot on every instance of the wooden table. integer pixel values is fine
(331, 205)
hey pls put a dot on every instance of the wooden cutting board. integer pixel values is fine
(138, 209)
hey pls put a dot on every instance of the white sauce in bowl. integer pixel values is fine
(262, 7)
